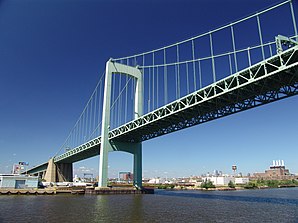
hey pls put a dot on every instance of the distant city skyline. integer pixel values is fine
(52, 53)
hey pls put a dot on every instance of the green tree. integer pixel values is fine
(231, 184)
(207, 184)
(250, 185)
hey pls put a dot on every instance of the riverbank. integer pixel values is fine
(223, 188)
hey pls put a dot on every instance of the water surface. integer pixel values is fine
(270, 205)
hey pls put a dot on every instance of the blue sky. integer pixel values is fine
(52, 54)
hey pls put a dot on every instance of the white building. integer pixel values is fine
(241, 180)
(13, 181)
(156, 181)
(220, 181)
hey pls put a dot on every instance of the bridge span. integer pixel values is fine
(273, 77)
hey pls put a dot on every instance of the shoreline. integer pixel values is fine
(229, 189)
(122, 190)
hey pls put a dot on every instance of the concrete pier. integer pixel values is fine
(119, 190)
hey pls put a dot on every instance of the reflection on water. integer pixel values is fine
(275, 205)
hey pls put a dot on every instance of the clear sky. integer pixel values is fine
(53, 52)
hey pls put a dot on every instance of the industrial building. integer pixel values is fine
(125, 176)
(220, 181)
(224, 180)
(13, 181)
(241, 180)
(277, 171)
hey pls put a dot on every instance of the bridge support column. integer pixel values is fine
(58, 172)
(106, 147)
(136, 150)
(50, 175)
(64, 172)
(137, 166)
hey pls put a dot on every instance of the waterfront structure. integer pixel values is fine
(156, 181)
(16, 169)
(241, 180)
(224, 180)
(13, 181)
(220, 181)
(133, 103)
(277, 171)
(125, 176)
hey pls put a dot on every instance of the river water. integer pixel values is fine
(270, 205)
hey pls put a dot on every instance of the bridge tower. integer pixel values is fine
(135, 148)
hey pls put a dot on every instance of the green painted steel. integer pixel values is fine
(269, 80)
(113, 68)
(265, 82)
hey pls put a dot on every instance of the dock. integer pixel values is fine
(76, 191)
(27, 192)
(118, 190)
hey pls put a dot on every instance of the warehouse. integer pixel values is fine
(13, 181)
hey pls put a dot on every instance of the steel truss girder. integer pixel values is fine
(265, 82)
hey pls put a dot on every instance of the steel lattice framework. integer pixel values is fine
(268, 81)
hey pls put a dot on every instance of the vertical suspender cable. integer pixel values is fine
(153, 82)
(91, 117)
(149, 89)
(100, 105)
(157, 87)
(234, 48)
(143, 73)
(119, 101)
(212, 57)
(165, 77)
(294, 21)
(230, 63)
(126, 102)
(178, 73)
(76, 134)
(194, 64)
(249, 61)
(83, 127)
(248, 56)
(95, 106)
(187, 79)
(132, 84)
(270, 50)
(260, 35)
(87, 121)
(126, 85)
(176, 81)
(200, 74)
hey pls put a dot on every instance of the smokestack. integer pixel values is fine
(274, 163)
(282, 163)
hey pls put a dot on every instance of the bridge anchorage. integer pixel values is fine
(175, 87)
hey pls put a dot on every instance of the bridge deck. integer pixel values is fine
(270, 80)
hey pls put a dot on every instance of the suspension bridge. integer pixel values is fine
(242, 65)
